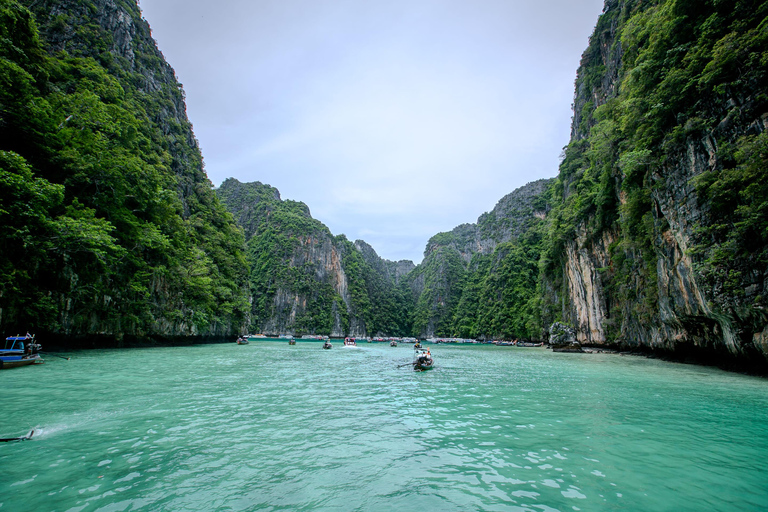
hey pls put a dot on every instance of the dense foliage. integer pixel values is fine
(298, 267)
(480, 280)
(688, 76)
(109, 224)
(107, 220)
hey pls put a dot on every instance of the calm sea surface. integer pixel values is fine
(268, 426)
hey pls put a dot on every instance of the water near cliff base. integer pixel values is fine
(268, 426)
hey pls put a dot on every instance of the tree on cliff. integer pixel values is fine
(107, 220)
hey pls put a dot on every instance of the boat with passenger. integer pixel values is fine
(20, 351)
(242, 341)
(350, 342)
(327, 344)
(393, 343)
(422, 360)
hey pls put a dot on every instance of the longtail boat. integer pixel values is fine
(20, 351)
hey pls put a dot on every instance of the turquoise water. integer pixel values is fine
(268, 426)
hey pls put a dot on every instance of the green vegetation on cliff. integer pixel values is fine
(305, 280)
(107, 220)
(655, 231)
(480, 280)
(669, 139)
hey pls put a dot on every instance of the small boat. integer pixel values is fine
(393, 343)
(417, 345)
(350, 342)
(20, 351)
(292, 341)
(256, 337)
(422, 360)
(327, 345)
(527, 344)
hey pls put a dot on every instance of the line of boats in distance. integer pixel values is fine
(422, 357)
(393, 341)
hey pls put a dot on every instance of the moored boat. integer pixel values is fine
(20, 351)
(318, 337)
(527, 344)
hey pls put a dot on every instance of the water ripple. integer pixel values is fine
(273, 427)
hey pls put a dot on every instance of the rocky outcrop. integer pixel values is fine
(585, 287)
(460, 288)
(305, 280)
(656, 292)
(562, 338)
(510, 218)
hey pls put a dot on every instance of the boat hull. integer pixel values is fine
(12, 362)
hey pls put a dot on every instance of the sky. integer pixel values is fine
(393, 120)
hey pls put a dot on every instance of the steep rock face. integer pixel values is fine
(110, 141)
(464, 285)
(394, 270)
(585, 287)
(510, 218)
(643, 266)
(306, 281)
(119, 38)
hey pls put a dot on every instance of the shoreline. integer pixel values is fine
(716, 359)
(754, 366)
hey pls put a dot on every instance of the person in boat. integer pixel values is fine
(424, 358)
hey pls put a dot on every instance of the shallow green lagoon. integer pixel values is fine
(268, 426)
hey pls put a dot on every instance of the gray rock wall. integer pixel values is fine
(690, 315)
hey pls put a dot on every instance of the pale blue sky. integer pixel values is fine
(391, 120)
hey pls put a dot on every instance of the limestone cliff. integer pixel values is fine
(471, 277)
(512, 216)
(128, 239)
(304, 280)
(664, 122)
